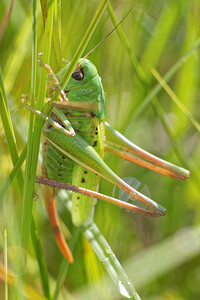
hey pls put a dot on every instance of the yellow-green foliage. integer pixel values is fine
(161, 256)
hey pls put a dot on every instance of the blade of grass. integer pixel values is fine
(57, 34)
(12, 175)
(106, 256)
(10, 134)
(153, 262)
(82, 45)
(5, 266)
(44, 4)
(5, 19)
(16, 59)
(65, 265)
(185, 82)
(40, 258)
(33, 142)
(27, 291)
(173, 96)
(138, 69)
(161, 34)
(151, 96)
(176, 147)
(110, 262)
(6, 119)
(157, 88)
(34, 133)
(160, 113)
(8, 128)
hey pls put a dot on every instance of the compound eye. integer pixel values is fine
(78, 75)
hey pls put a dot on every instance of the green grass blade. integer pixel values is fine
(40, 258)
(165, 256)
(16, 59)
(34, 137)
(5, 19)
(157, 88)
(163, 31)
(83, 44)
(44, 8)
(155, 261)
(65, 265)
(106, 256)
(139, 71)
(160, 113)
(10, 133)
(176, 100)
(110, 262)
(13, 174)
(57, 34)
(8, 128)
(36, 243)
(161, 34)
(5, 266)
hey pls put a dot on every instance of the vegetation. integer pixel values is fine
(150, 72)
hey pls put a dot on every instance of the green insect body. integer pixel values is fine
(90, 127)
(74, 157)
(61, 168)
(85, 86)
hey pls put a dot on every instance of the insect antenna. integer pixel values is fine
(93, 49)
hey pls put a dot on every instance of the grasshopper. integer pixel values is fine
(76, 136)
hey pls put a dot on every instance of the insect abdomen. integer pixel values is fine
(82, 206)
(60, 167)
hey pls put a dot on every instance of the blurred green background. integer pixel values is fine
(160, 256)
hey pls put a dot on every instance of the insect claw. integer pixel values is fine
(161, 212)
(158, 210)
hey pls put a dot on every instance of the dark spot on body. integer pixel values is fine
(56, 229)
(78, 197)
(92, 114)
(95, 143)
(49, 126)
(82, 180)
(85, 172)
